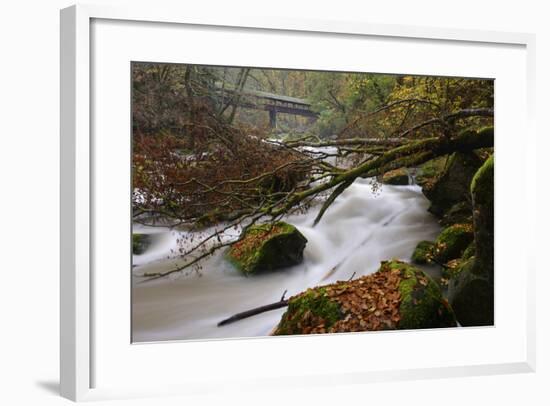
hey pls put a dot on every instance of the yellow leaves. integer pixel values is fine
(453, 263)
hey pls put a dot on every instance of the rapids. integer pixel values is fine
(359, 230)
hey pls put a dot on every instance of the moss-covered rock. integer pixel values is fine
(459, 213)
(140, 243)
(482, 188)
(423, 252)
(422, 304)
(453, 185)
(471, 290)
(312, 308)
(450, 270)
(429, 171)
(471, 295)
(396, 177)
(397, 296)
(452, 242)
(267, 247)
(469, 252)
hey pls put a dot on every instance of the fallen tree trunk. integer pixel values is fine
(348, 142)
(408, 155)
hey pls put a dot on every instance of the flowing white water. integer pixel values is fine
(357, 232)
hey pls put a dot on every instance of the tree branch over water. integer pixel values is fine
(206, 173)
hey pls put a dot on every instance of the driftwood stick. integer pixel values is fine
(283, 296)
(252, 312)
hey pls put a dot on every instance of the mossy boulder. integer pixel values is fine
(469, 252)
(459, 213)
(471, 295)
(422, 304)
(453, 185)
(482, 189)
(308, 310)
(423, 252)
(140, 243)
(471, 290)
(396, 177)
(452, 242)
(397, 296)
(267, 247)
(430, 170)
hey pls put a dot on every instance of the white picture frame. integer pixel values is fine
(78, 353)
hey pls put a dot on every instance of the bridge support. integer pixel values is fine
(272, 118)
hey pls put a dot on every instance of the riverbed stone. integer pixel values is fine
(430, 170)
(482, 189)
(140, 243)
(397, 177)
(471, 290)
(397, 296)
(453, 185)
(469, 252)
(422, 304)
(460, 212)
(267, 247)
(423, 252)
(452, 242)
(471, 295)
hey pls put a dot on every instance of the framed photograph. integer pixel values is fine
(236, 194)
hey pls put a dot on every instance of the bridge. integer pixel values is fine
(273, 103)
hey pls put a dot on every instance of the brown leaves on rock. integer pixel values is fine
(254, 240)
(368, 303)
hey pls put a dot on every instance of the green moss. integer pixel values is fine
(469, 252)
(453, 185)
(452, 242)
(430, 170)
(396, 177)
(140, 243)
(312, 306)
(471, 289)
(423, 252)
(480, 179)
(471, 295)
(482, 188)
(267, 247)
(460, 212)
(422, 305)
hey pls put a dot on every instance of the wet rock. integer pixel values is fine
(482, 189)
(471, 290)
(397, 296)
(459, 213)
(141, 242)
(471, 295)
(429, 171)
(452, 242)
(423, 252)
(396, 177)
(267, 247)
(453, 185)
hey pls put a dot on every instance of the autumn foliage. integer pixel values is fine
(214, 181)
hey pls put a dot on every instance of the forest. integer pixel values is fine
(278, 202)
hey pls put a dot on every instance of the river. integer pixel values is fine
(359, 230)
